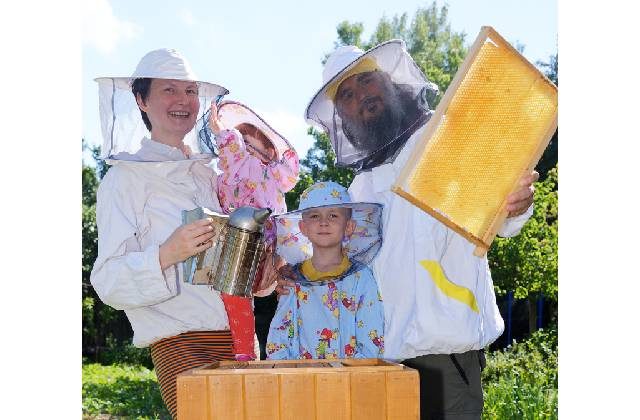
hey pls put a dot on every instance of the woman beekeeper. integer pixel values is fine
(141, 242)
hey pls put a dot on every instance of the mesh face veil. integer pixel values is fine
(122, 126)
(371, 102)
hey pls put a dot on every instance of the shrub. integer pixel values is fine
(522, 380)
(121, 390)
(125, 353)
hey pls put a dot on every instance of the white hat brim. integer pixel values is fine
(205, 89)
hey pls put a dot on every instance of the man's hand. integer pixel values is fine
(186, 241)
(519, 201)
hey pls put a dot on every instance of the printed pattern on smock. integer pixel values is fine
(247, 181)
(341, 319)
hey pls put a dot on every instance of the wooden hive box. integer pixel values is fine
(490, 128)
(350, 389)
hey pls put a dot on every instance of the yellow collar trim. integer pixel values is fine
(310, 272)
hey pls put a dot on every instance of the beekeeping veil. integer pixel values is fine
(122, 126)
(369, 121)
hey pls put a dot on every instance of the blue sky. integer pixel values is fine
(268, 54)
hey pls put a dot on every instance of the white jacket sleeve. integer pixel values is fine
(124, 275)
(513, 225)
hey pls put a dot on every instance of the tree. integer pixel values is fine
(527, 264)
(549, 158)
(102, 326)
(319, 165)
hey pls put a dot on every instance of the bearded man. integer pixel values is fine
(375, 106)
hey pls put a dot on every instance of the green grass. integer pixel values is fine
(121, 391)
(521, 382)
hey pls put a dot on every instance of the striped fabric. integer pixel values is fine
(178, 354)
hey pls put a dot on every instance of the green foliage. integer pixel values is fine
(549, 158)
(349, 33)
(550, 68)
(522, 381)
(319, 165)
(103, 328)
(117, 352)
(121, 390)
(528, 262)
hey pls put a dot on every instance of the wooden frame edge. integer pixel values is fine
(433, 213)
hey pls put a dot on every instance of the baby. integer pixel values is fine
(258, 166)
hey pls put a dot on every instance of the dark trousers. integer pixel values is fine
(263, 309)
(450, 386)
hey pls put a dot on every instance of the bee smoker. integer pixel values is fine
(230, 265)
(242, 248)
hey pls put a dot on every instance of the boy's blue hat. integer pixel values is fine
(323, 194)
(361, 246)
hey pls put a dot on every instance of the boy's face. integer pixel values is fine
(325, 227)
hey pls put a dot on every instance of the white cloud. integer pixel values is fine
(292, 127)
(187, 17)
(102, 30)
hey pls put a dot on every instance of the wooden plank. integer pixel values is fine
(261, 397)
(191, 394)
(403, 395)
(368, 396)
(310, 366)
(226, 397)
(333, 396)
(297, 400)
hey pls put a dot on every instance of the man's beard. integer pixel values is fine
(373, 134)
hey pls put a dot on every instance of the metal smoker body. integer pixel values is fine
(230, 265)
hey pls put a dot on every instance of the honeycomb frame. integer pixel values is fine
(468, 160)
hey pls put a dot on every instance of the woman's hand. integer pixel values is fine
(214, 122)
(186, 241)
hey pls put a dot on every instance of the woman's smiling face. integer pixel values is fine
(172, 107)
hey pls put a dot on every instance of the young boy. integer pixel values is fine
(336, 309)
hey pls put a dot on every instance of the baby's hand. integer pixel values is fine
(214, 122)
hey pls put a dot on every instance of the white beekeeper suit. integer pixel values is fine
(139, 205)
